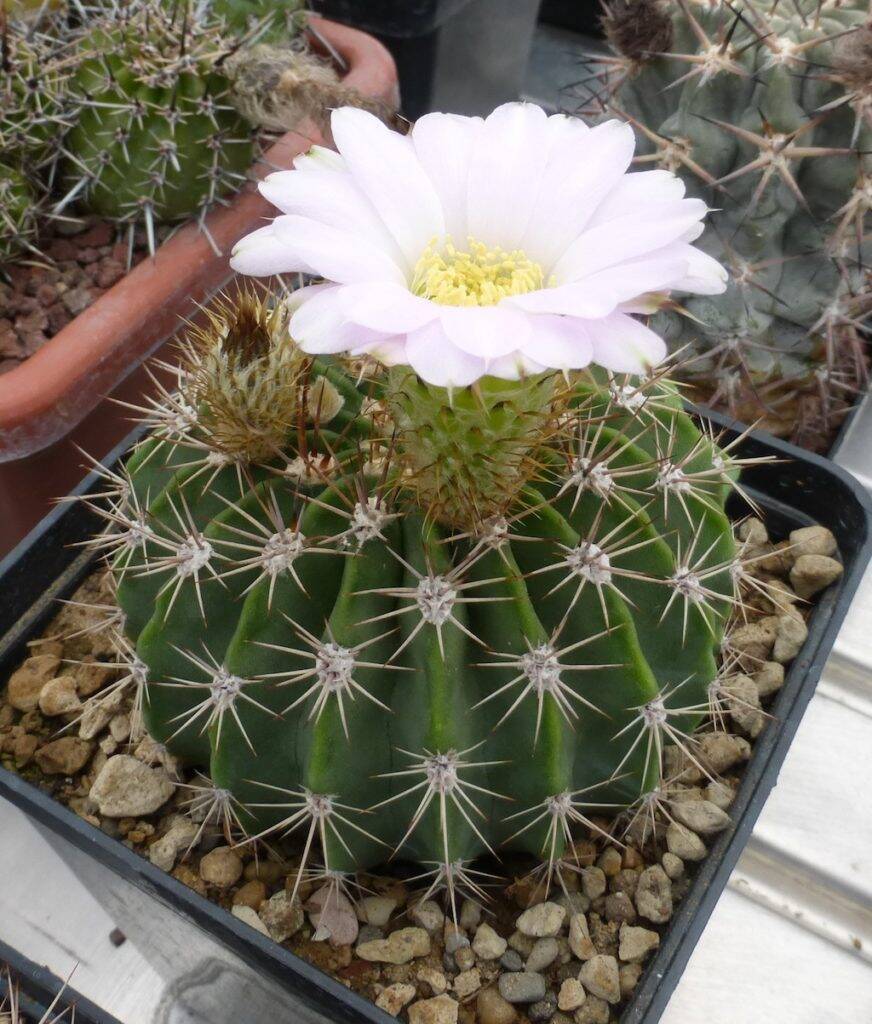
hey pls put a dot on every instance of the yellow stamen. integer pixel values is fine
(480, 276)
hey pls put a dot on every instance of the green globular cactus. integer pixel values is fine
(419, 623)
(33, 76)
(264, 21)
(765, 110)
(155, 139)
(18, 205)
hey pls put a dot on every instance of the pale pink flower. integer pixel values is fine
(502, 245)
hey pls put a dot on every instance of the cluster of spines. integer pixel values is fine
(761, 352)
(248, 531)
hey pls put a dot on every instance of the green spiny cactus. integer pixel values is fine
(423, 624)
(18, 205)
(156, 138)
(264, 21)
(765, 110)
(33, 77)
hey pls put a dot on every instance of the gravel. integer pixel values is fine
(37, 301)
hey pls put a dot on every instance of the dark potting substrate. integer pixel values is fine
(642, 913)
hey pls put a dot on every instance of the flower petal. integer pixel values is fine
(261, 254)
(507, 164)
(319, 326)
(637, 232)
(389, 350)
(437, 361)
(387, 307)
(623, 345)
(388, 172)
(331, 198)
(335, 254)
(562, 342)
(485, 331)
(581, 171)
(514, 366)
(574, 299)
(444, 145)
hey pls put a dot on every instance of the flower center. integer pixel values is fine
(477, 276)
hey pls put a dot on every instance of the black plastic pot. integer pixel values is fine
(576, 15)
(177, 926)
(38, 988)
(462, 56)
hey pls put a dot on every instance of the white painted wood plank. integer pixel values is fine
(47, 915)
(753, 966)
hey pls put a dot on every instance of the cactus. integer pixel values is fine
(395, 619)
(18, 219)
(256, 20)
(763, 109)
(155, 137)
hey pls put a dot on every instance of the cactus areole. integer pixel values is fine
(447, 605)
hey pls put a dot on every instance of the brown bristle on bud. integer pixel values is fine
(637, 28)
(248, 335)
(853, 58)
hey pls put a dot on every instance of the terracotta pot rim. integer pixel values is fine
(51, 391)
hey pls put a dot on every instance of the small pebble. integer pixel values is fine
(522, 987)
(59, 697)
(127, 788)
(393, 998)
(628, 977)
(579, 938)
(282, 915)
(542, 955)
(470, 915)
(511, 961)
(812, 573)
(221, 866)
(65, 756)
(399, 947)
(594, 1011)
(812, 540)
(571, 995)
(545, 919)
(376, 910)
(684, 844)
(769, 678)
(543, 1010)
(593, 882)
(493, 1009)
(428, 915)
(636, 943)
(619, 907)
(791, 635)
(672, 865)
(487, 944)
(600, 978)
(439, 1010)
(654, 895)
(610, 861)
(467, 984)
(26, 683)
(701, 816)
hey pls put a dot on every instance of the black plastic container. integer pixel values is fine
(576, 15)
(38, 988)
(799, 490)
(462, 56)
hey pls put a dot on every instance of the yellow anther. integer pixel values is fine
(478, 276)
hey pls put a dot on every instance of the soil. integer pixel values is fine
(571, 955)
(39, 297)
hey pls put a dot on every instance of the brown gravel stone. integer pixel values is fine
(26, 683)
(65, 756)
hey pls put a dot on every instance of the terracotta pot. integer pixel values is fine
(65, 384)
